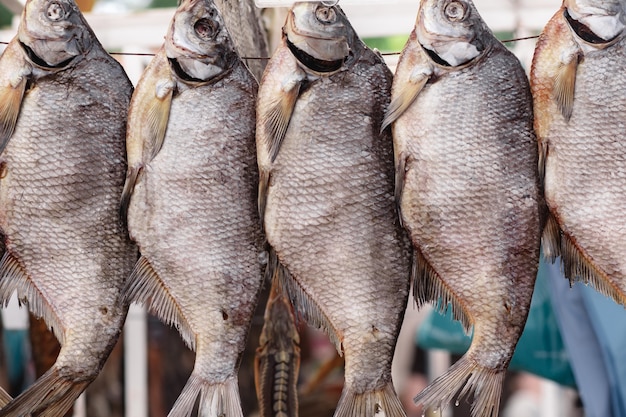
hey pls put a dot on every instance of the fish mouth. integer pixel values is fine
(40, 62)
(315, 64)
(585, 33)
(215, 73)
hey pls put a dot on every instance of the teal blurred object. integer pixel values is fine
(16, 345)
(540, 349)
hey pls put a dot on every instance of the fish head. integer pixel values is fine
(53, 32)
(318, 35)
(198, 44)
(451, 31)
(596, 21)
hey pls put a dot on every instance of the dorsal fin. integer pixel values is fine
(144, 286)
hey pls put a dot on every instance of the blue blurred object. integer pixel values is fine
(540, 350)
(17, 354)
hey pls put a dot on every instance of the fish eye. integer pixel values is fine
(55, 11)
(326, 14)
(455, 11)
(206, 28)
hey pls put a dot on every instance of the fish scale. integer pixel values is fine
(66, 254)
(584, 173)
(327, 198)
(468, 190)
(190, 201)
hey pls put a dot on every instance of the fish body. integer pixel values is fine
(191, 196)
(468, 190)
(326, 197)
(578, 88)
(63, 110)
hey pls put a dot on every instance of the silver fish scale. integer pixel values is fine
(470, 197)
(586, 169)
(194, 216)
(330, 216)
(60, 202)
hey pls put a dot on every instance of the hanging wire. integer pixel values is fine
(267, 58)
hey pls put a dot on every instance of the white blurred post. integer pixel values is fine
(438, 364)
(136, 363)
(136, 327)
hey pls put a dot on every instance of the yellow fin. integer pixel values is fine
(405, 97)
(147, 123)
(278, 115)
(564, 87)
(10, 104)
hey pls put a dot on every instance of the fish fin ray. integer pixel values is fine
(400, 103)
(469, 378)
(564, 87)
(10, 105)
(577, 266)
(215, 399)
(157, 118)
(370, 403)
(429, 287)
(145, 286)
(551, 239)
(51, 395)
(14, 278)
(278, 116)
(302, 303)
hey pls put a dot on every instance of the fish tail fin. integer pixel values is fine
(52, 395)
(384, 401)
(471, 378)
(215, 399)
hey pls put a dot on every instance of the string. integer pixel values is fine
(267, 58)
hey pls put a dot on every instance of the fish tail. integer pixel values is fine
(215, 399)
(384, 401)
(469, 377)
(52, 395)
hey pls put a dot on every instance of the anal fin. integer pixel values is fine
(14, 278)
(429, 287)
(302, 302)
(144, 286)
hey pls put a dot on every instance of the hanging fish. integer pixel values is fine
(190, 201)
(277, 360)
(63, 108)
(326, 197)
(468, 190)
(578, 85)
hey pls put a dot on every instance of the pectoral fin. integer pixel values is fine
(564, 87)
(404, 96)
(10, 104)
(276, 119)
